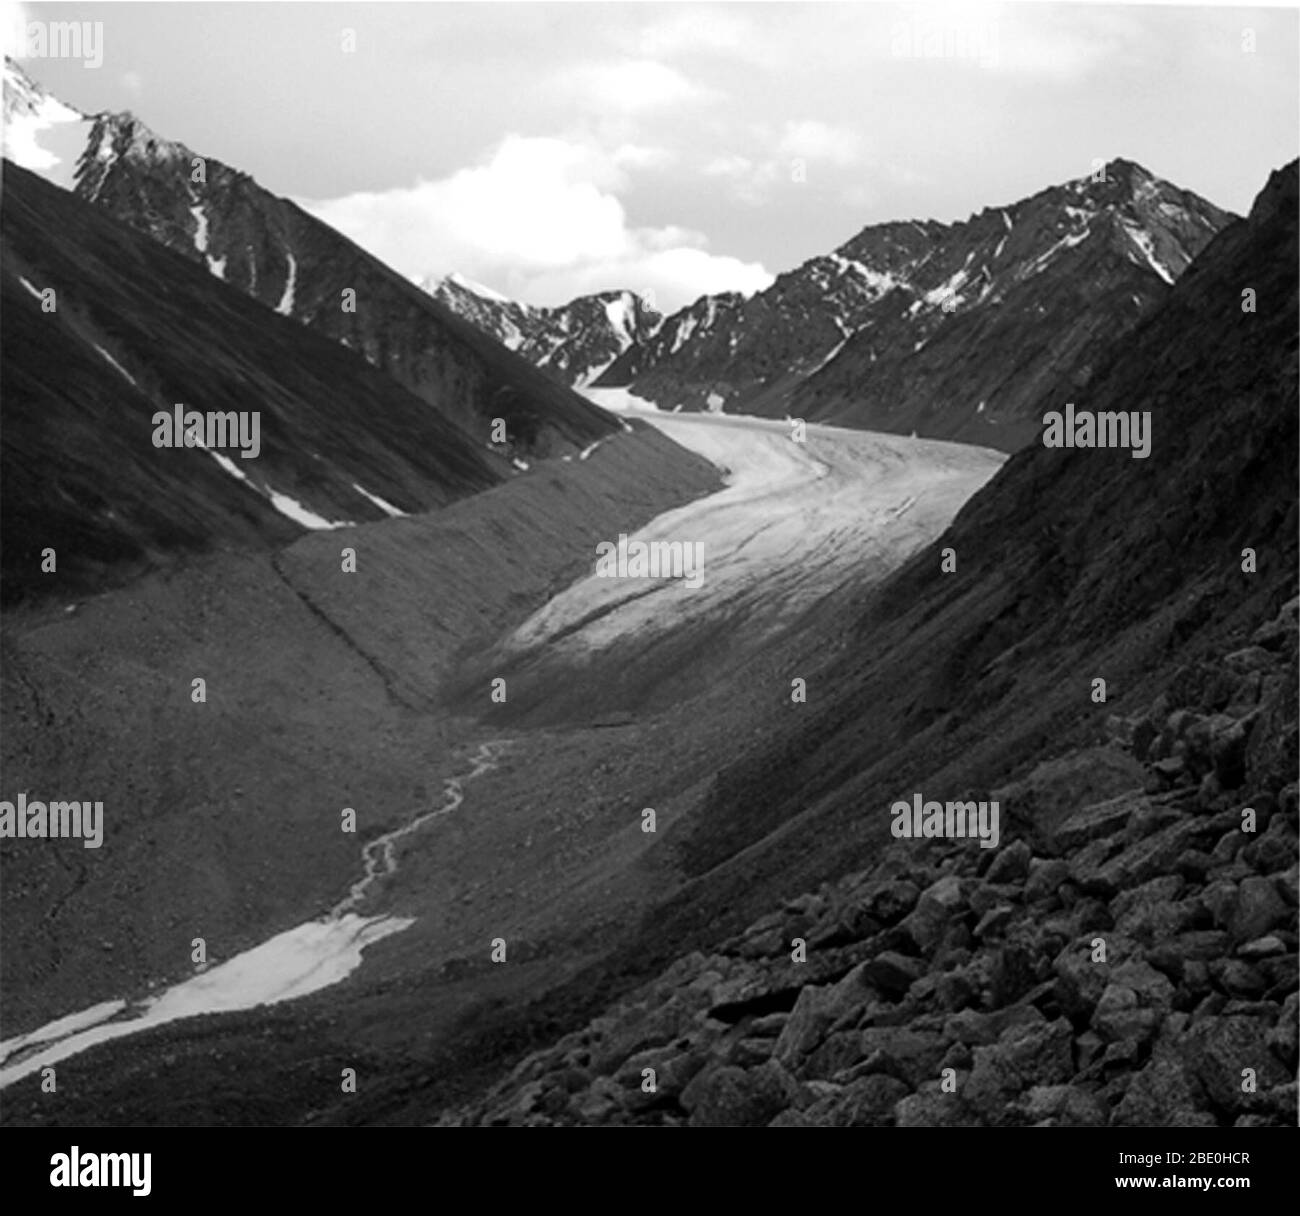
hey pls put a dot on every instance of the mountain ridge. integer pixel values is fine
(946, 330)
(273, 250)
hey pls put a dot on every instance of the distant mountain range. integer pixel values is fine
(574, 342)
(954, 331)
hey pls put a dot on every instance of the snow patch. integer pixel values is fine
(114, 362)
(285, 306)
(287, 506)
(1068, 241)
(684, 331)
(477, 288)
(878, 282)
(386, 507)
(1143, 241)
(29, 115)
(621, 319)
(200, 227)
(830, 354)
(947, 291)
(292, 508)
(294, 963)
(229, 465)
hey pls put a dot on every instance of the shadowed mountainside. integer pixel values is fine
(136, 329)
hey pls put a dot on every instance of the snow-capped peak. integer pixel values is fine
(468, 284)
(41, 133)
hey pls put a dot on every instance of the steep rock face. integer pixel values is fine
(272, 250)
(951, 331)
(1121, 818)
(136, 329)
(574, 343)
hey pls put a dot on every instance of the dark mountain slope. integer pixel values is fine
(290, 261)
(80, 472)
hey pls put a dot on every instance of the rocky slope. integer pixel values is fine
(1121, 966)
(949, 330)
(275, 252)
(135, 329)
(573, 343)
(1122, 820)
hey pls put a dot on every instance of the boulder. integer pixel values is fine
(1063, 1105)
(1258, 909)
(936, 908)
(1133, 1004)
(1026, 1055)
(728, 1096)
(1095, 822)
(892, 973)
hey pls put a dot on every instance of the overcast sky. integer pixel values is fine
(549, 149)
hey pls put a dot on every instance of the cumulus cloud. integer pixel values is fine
(540, 220)
(629, 86)
(813, 140)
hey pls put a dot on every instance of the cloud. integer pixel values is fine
(539, 219)
(813, 140)
(629, 86)
(643, 157)
(750, 179)
(13, 27)
(700, 30)
(1071, 45)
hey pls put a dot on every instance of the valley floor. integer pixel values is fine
(374, 694)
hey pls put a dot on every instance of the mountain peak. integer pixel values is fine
(456, 279)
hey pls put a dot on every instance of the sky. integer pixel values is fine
(552, 149)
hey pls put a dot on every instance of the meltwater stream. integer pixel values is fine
(291, 964)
